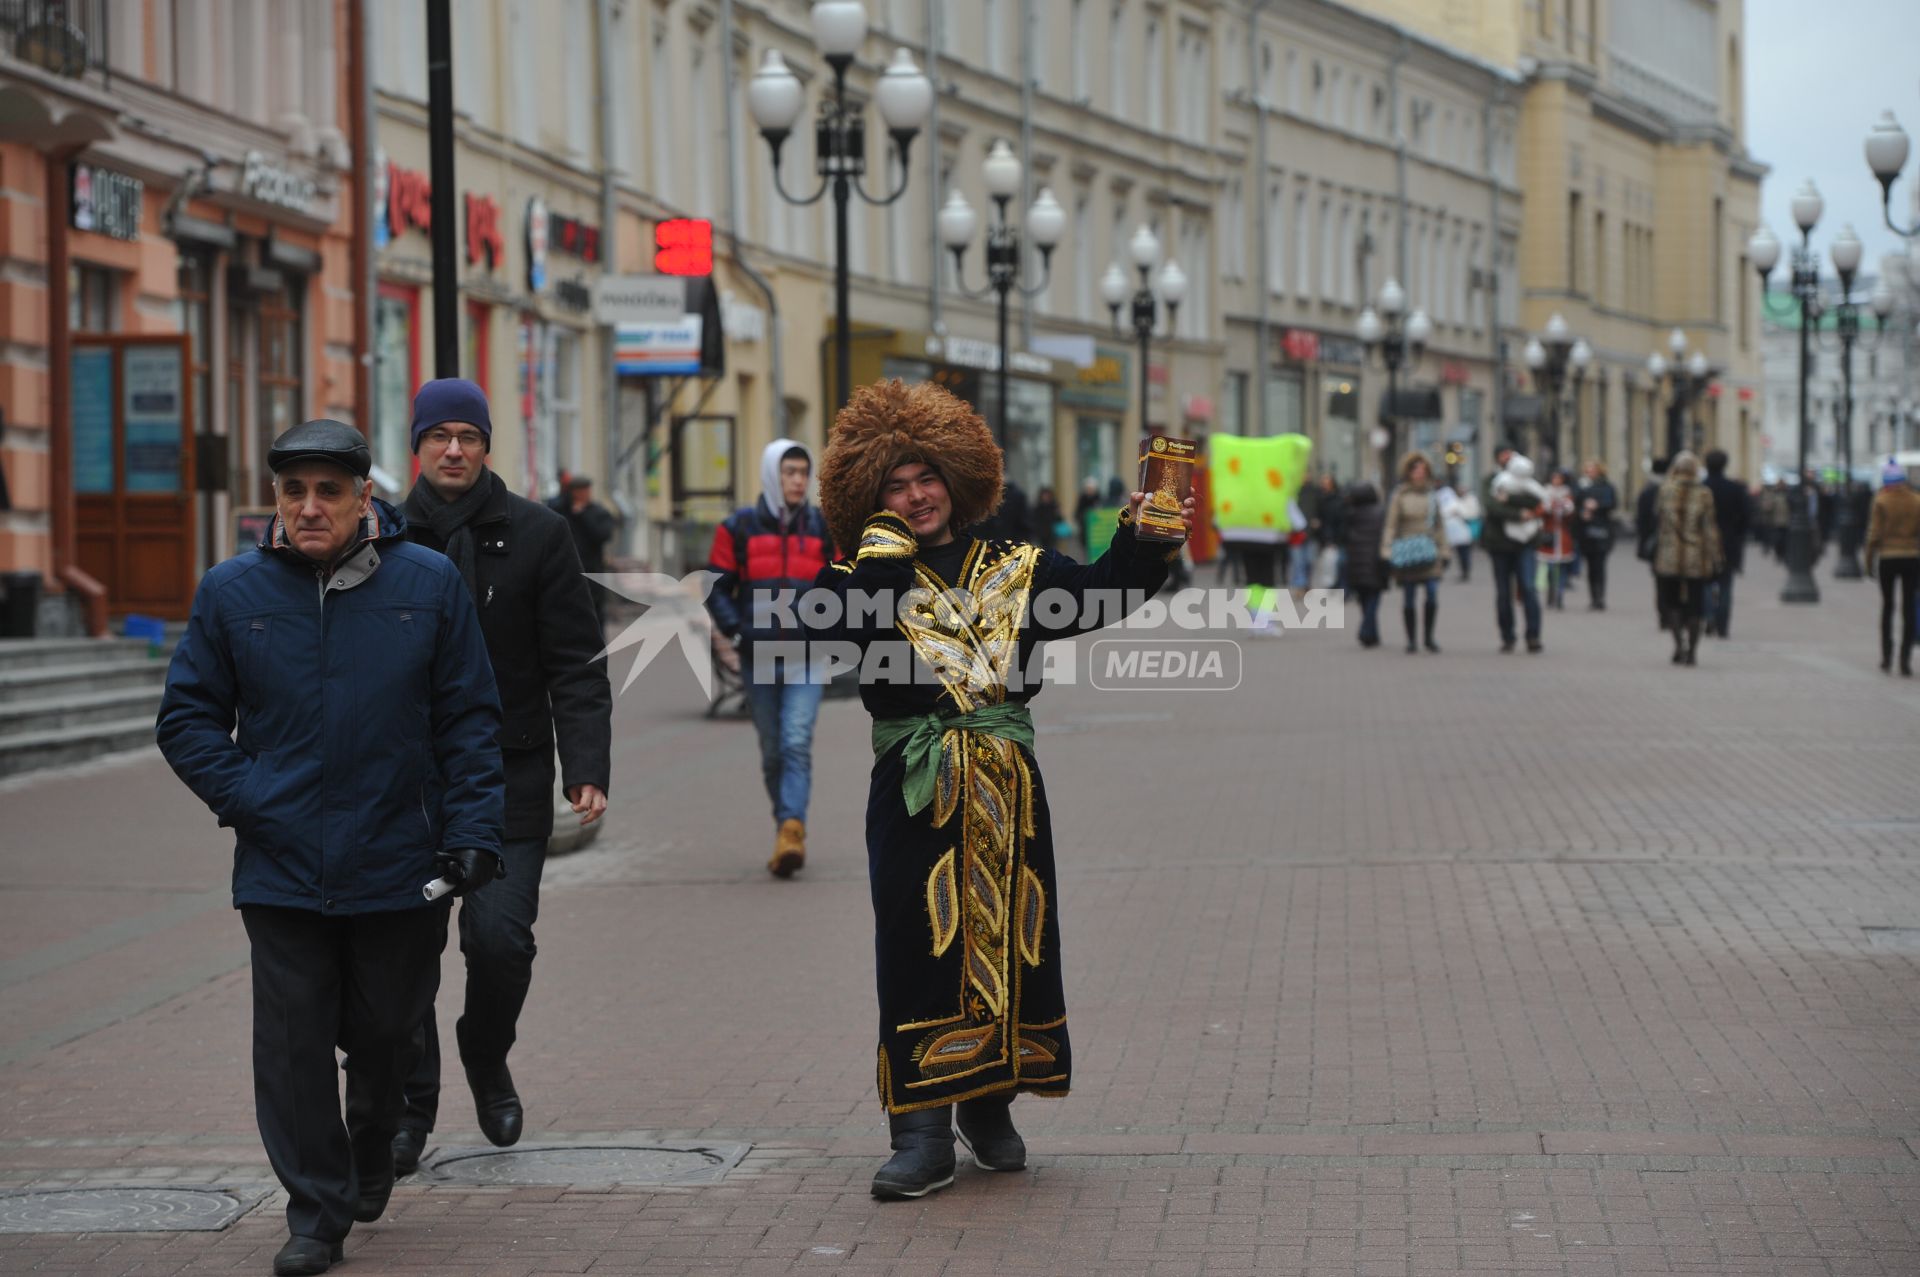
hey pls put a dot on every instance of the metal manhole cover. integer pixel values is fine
(1895, 939)
(124, 1210)
(588, 1165)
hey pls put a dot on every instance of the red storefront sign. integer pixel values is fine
(683, 246)
(1299, 345)
(409, 200)
(483, 230)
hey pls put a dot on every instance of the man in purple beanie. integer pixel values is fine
(519, 562)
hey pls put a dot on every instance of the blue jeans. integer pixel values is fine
(1720, 603)
(783, 714)
(1369, 614)
(1511, 567)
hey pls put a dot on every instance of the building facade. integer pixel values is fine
(176, 193)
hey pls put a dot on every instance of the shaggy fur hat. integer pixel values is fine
(891, 423)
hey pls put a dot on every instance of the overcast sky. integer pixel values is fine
(1818, 76)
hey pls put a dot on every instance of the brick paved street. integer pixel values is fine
(1577, 964)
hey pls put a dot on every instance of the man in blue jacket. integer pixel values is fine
(365, 765)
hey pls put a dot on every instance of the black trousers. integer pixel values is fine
(1906, 574)
(362, 984)
(496, 937)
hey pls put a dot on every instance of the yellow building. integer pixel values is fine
(1639, 198)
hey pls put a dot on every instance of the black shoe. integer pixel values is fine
(408, 1145)
(922, 1160)
(1535, 647)
(1506, 647)
(373, 1172)
(1412, 647)
(495, 1103)
(1432, 646)
(303, 1256)
(985, 1126)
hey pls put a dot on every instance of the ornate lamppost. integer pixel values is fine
(776, 98)
(1400, 339)
(1170, 287)
(1686, 379)
(1558, 358)
(1046, 224)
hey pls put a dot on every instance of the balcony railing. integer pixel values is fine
(65, 37)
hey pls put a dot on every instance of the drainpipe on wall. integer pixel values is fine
(935, 324)
(1498, 426)
(610, 264)
(360, 124)
(1263, 325)
(1026, 167)
(1399, 168)
(776, 372)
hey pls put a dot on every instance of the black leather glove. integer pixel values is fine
(469, 868)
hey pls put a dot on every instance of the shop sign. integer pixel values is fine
(106, 202)
(405, 203)
(966, 352)
(537, 229)
(655, 350)
(271, 184)
(483, 231)
(683, 246)
(1453, 372)
(1299, 345)
(1102, 384)
(574, 295)
(574, 237)
(639, 299)
(1349, 352)
(1198, 408)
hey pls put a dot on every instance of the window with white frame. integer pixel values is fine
(1083, 274)
(1077, 36)
(993, 35)
(1348, 274)
(1036, 39)
(1276, 239)
(1156, 75)
(706, 139)
(578, 77)
(563, 400)
(1337, 97)
(1293, 81)
(1302, 245)
(661, 108)
(1234, 230)
(1117, 58)
(523, 71)
(1326, 281)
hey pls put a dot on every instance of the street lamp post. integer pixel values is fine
(1046, 223)
(1171, 285)
(1686, 379)
(1557, 357)
(1763, 250)
(1846, 252)
(1886, 149)
(776, 98)
(1400, 339)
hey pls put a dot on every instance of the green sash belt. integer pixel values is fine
(1009, 720)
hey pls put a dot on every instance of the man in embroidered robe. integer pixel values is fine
(959, 836)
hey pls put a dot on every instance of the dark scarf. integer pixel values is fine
(451, 521)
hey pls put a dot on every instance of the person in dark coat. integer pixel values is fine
(1597, 502)
(1733, 512)
(1366, 575)
(518, 562)
(1012, 520)
(1646, 526)
(353, 749)
(1046, 520)
(1512, 560)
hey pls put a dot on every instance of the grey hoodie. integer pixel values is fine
(776, 504)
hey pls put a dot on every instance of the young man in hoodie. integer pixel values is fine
(518, 560)
(765, 554)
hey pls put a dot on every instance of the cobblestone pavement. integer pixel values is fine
(1579, 964)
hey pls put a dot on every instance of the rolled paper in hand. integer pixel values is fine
(437, 888)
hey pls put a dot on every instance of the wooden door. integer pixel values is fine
(132, 430)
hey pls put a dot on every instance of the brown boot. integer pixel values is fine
(789, 849)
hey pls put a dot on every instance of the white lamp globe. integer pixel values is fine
(839, 27)
(1656, 365)
(1807, 206)
(904, 96)
(1113, 285)
(1882, 301)
(1535, 354)
(774, 96)
(1046, 220)
(1393, 299)
(1144, 247)
(1173, 283)
(1419, 328)
(1002, 170)
(1677, 343)
(1887, 148)
(1557, 331)
(1581, 356)
(1763, 250)
(1697, 367)
(1846, 252)
(1369, 329)
(957, 221)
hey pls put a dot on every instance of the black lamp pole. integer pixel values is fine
(446, 268)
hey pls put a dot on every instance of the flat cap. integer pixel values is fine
(322, 440)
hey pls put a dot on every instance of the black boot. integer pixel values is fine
(373, 1169)
(1693, 639)
(922, 1160)
(1432, 610)
(1413, 640)
(408, 1145)
(496, 1103)
(986, 1128)
(305, 1256)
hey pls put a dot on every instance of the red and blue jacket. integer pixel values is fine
(763, 566)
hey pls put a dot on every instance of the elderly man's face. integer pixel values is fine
(320, 508)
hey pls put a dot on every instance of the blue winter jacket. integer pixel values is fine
(367, 716)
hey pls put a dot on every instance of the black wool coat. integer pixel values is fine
(544, 637)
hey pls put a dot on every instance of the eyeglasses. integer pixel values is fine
(465, 438)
